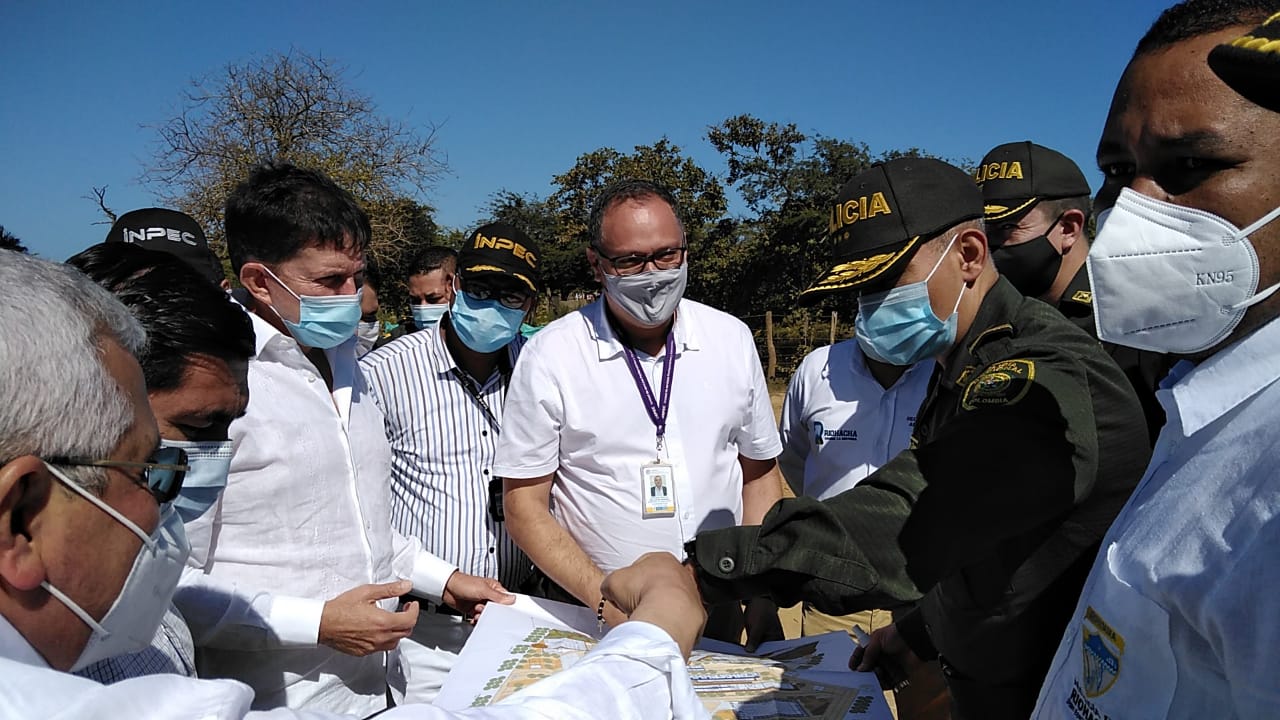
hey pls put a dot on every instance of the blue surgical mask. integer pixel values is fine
(425, 316)
(209, 462)
(484, 325)
(899, 327)
(323, 321)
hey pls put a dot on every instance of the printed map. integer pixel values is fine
(797, 679)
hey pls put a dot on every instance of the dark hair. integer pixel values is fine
(182, 313)
(1194, 18)
(621, 191)
(283, 208)
(436, 257)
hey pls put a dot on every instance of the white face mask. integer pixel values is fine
(649, 298)
(1171, 279)
(367, 334)
(131, 622)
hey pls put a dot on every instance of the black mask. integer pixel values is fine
(1031, 266)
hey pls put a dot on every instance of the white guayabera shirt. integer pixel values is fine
(635, 673)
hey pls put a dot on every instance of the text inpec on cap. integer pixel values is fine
(501, 243)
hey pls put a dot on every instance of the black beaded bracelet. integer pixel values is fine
(600, 616)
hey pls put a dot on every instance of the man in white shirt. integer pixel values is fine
(1179, 618)
(441, 392)
(844, 416)
(637, 387)
(296, 571)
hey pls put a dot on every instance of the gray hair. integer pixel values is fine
(56, 398)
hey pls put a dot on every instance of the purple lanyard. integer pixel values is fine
(656, 407)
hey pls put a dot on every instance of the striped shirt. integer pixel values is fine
(443, 443)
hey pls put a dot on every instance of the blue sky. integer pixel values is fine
(521, 89)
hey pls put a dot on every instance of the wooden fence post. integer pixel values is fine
(835, 318)
(768, 342)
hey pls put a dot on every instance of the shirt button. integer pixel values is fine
(726, 564)
(485, 472)
(484, 433)
(490, 551)
(311, 378)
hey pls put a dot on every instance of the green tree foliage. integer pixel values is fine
(299, 108)
(9, 241)
(789, 180)
(560, 222)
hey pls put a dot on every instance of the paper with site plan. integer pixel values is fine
(514, 646)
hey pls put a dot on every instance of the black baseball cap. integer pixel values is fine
(171, 232)
(882, 216)
(1015, 176)
(500, 249)
(1251, 64)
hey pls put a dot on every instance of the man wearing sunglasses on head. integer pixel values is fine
(640, 387)
(441, 392)
(195, 363)
(91, 544)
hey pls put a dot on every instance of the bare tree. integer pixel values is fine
(99, 198)
(299, 108)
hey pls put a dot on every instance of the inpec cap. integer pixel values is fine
(1016, 176)
(168, 231)
(880, 218)
(500, 249)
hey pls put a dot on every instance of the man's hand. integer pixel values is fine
(468, 593)
(658, 590)
(352, 623)
(887, 654)
(762, 623)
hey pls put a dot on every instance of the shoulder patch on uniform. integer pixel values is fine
(1002, 383)
(966, 374)
(1084, 297)
(991, 333)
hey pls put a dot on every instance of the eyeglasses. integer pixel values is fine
(514, 299)
(161, 475)
(668, 259)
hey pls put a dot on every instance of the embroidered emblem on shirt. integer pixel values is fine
(821, 434)
(1102, 648)
(1003, 383)
(1084, 297)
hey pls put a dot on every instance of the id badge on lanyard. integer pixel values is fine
(657, 478)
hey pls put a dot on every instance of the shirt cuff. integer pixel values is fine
(295, 620)
(430, 575)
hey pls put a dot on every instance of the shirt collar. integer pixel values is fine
(609, 346)
(1197, 395)
(15, 647)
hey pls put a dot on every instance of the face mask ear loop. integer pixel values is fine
(1262, 222)
(75, 487)
(942, 257)
(75, 608)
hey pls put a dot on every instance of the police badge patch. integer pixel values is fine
(1002, 383)
(1102, 648)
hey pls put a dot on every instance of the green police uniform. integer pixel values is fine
(1027, 446)
(1144, 369)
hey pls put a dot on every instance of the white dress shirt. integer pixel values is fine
(1179, 617)
(305, 517)
(839, 424)
(442, 443)
(573, 409)
(635, 673)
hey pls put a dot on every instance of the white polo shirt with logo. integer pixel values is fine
(573, 409)
(839, 424)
